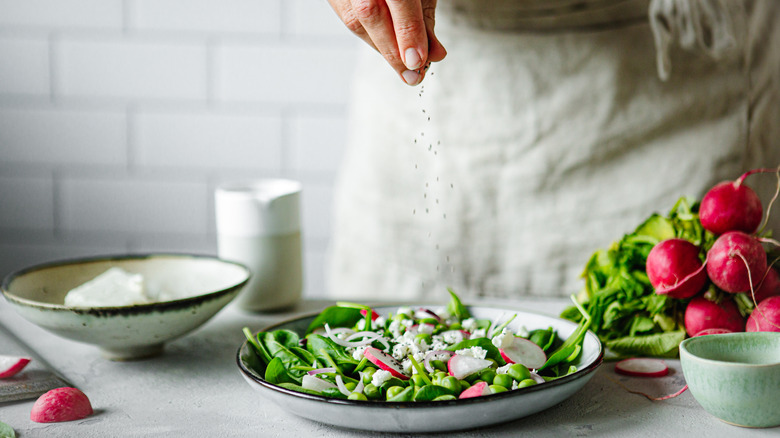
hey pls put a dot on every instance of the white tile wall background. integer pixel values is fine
(119, 117)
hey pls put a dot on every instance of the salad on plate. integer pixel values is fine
(350, 352)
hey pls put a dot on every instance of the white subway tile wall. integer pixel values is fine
(118, 118)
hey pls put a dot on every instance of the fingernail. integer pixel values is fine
(412, 59)
(411, 77)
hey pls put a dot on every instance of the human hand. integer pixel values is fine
(400, 30)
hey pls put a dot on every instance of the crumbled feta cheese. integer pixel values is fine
(408, 368)
(407, 322)
(358, 353)
(425, 328)
(522, 332)
(379, 322)
(503, 339)
(400, 351)
(478, 333)
(395, 328)
(380, 377)
(469, 324)
(438, 343)
(452, 336)
(477, 352)
(504, 369)
(515, 384)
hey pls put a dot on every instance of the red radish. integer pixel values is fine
(642, 367)
(702, 314)
(461, 366)
(765, 317)
(524, 352)
(729, 259)
(476, 390)
(674, 269)
(385, 361)
(769, 287)
(374, 315)
(713, 331)
(10, 365)
(61, 404)
(731, 206)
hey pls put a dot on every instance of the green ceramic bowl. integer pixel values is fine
(735, 376)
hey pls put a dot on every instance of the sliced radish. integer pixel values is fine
(477, 390)
(524, 352)
(385, 361)
(713, 331)
(461, 366)
(10, 365)
(315, 383)
(642, 367)
(61, 404)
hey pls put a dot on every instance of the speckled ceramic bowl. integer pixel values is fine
(735, 376)
(438, 416)
(201, 286)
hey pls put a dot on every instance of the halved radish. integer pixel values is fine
(477, 390)
(642, 367)
(10, 365)
(61, 404)
(385, 361)
(524, 352)
(713, 331)
(461, 366)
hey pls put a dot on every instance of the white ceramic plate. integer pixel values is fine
(437, 416)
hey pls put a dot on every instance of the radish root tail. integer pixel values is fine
(752, 290)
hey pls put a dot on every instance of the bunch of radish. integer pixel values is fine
(736, 263)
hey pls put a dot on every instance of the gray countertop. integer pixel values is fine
(194, 389)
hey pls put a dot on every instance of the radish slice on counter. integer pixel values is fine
(10, 365)
(385, 361)
(642, 367)
(524, 352)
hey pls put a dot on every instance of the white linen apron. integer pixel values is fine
(546, 134)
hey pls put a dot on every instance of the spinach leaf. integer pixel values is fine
(657, 345)
(287, 338)
(276, 373)
(288, 359)
(542, 337)
(325, 350)
(456, 308)
(430, 392)
(336, 316)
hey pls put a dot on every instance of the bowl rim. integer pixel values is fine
(712, 338)
(135, 308)
(588, 369)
